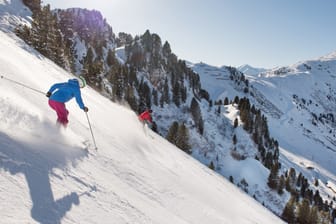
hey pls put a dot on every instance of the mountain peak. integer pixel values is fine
(330, 56)
(250, 70)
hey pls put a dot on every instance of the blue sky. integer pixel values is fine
(262, 33)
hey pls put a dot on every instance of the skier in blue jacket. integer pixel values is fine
(60, 93)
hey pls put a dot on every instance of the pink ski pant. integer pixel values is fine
(62, 112)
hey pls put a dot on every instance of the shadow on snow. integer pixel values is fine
(36, 161)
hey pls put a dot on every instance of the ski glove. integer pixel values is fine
(86, 109)
(48, 94)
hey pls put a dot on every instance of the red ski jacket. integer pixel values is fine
(145, 116)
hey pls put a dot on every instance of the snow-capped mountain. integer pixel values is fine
(305, 93)
(220, 140)
(250, 70)
(330, 56)
(300, 103)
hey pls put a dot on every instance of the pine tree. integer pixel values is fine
(226, 101)
(303, 212)
(197, 115)
(288, 184)
(34, 5)
(39, 32)
(231, 179)
(172, 133)
(298, 180)
(130, 98)
(212, 166)
(176, 94)
(281, 185)
(333, 215)
(292, 179)
(132, 77)
(304, 187)
(318, 200)
(91, 73)
(273, 177)
(155, 97)
(183, 139)
(324, 217)
(111, 59)
(165, 94)
(118, 85)
(145, 94)
(234, 139)
(146, 40)
(218, 110)
(136, 55)
(313, 216)
(124, 39)
(88, 59)
(24, 33)
(166, 50)
(56, 48)
(183, 93)
(268, 162)
(235, 124)
(288, 213)
(236, 100)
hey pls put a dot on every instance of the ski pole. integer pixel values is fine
(94, 141)
(21, 84)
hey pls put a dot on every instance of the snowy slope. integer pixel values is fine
(12, 13)
(47, 175)
(303, 92)
(247, 172)
(300, 103)
(213, 79)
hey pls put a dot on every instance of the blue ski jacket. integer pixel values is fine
(63, 92)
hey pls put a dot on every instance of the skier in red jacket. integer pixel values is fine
(146, 117)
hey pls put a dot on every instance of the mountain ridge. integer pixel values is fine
(250, 70)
